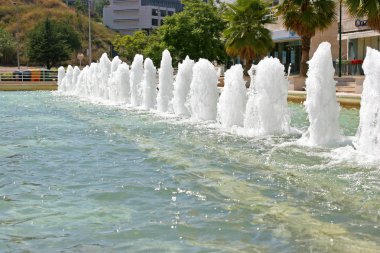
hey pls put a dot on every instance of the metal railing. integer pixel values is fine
(32, 75)
(350, 68)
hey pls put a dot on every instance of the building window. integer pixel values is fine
(154, 12)
(170, 13)
(154, 21)
(163, 13)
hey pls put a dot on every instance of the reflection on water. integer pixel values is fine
(78, 177)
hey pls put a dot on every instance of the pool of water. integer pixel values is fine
(80, 177)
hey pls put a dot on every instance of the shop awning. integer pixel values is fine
(359, 34)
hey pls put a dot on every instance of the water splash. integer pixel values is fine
(182, 86)
(267, 108)
(368, 134)
(136, 79)
(204, 91)
(232, 102)
(321, 104)
(149, 85)
(165, 85)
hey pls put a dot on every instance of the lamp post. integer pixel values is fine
(340, 38)
(89, 33)
(17, 35)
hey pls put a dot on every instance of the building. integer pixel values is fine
(287, 46)
(128, 16)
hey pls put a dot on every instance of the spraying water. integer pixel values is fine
(122, 84)
(267, 108)
(113, 86)
(368, 134)
(61, 75)
(321, 104)
(232, 102)
(182, 86)
(137, 71)
(204, 91)
(149, 85)
(165, 85)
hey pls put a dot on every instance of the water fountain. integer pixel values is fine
(368, 134)
(321, 103)
(149, 91)
(182, 86)
(267, 107)
(203, 91)
(165, 85)
(137, 71)
(232, 101)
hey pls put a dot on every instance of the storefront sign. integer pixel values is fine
(359, 23)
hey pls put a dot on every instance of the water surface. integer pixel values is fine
(79, 177)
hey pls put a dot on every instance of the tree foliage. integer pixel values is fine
(246, 35)
(196, 31)
(305, 17)
(129, 45)
(366, 8)
(7, 47)
(52, 42)
(99, 4)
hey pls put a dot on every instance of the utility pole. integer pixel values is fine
(340, 38)
(89, 33)
(18, 35)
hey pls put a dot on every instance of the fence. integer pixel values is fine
(350, 68)
(28, 76)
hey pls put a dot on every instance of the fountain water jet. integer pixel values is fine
(137, 71)
(267, 108)
(232, 101)
(321, 103)
(165, 85)
(149, 87)
(182, 86)
(204, 91)
(368, 134)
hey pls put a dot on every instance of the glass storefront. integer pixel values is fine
(288, 52)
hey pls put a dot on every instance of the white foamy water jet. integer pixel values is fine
(68, 79)
(182, 86)
(137, 71)
(368, 134)
(267, 108)
(165, 84)
(321, 104)
(104, 71)
(232, 101)
(149, 85)
(61, 75)
(204, 91)
(113, 87)
(122, 84)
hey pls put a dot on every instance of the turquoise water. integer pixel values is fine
(79, 177)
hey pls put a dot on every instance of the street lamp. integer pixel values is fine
(17, 35)
(89, 33)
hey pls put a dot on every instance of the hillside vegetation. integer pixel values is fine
(32, 12)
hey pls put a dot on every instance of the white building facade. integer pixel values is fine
(128, 16)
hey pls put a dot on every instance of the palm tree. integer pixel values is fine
(305, 17)
(245, 34)
(366, 8)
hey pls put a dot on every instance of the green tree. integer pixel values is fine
(129, 45)
(196, 31)
(99, 4)
(245, 34)
(154, 48)
(79, 6)
(7, 47)
(366, 8)
(305, 17)
(52, 42)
